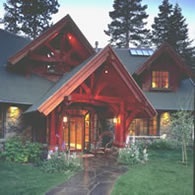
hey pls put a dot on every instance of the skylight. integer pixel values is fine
(140, 52)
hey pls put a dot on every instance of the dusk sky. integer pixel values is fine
(92, 16)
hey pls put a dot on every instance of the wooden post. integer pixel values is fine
(120, 127)
(53, 135)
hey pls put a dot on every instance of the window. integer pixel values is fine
(138, 127)
(160, 80)
(140, 52)
(143, 127)
(165, 121)
(153, 126)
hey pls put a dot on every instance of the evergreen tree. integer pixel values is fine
(161, 25)
(29, 17)
(178, 36)
(128, 23)
(170, 26)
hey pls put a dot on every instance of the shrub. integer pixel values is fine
(163, 144)
(61, 162)
(17, 150)
(133, 154)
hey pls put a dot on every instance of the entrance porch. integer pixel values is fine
(95, 91)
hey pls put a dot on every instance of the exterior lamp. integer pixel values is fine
(69, 36)
(65, 119)
(106, 71)
(115, 120)
(14, 111)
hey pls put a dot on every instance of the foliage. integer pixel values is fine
(161, 175)
(163, 144)
(127, 24)
(182, 126)
(133, 154)
(61, 162)
(20, 151)
(161, 24)
(170, 26)
(30, 17)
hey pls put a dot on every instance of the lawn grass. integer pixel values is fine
(163, 174)
(17, 179)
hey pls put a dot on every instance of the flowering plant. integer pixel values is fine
(132, 154)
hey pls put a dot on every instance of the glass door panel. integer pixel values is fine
(87, 129)
(73, 133)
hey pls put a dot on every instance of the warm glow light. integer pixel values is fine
(87, 117)
(106, 71)
(153, 85)
(69, 36)
(115, 120)
(165, 119)
(14, 111)
(65, 119)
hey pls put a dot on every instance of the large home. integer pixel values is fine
(57, 89)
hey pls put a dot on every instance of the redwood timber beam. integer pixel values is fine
(86, 88)
(46, 59)
(109, 99)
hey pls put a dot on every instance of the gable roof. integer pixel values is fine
(165, 48)
(72, 80)
(67, 20)
(9, 45)
(17, 88)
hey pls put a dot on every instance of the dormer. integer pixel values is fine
(162, 71)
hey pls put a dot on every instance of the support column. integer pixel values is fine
(158, 123)
(53, 135)
(120, 127)
(129, 120)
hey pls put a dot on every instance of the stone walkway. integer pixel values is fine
(97, 178)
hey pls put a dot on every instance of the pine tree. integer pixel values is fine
(128, 23)
(29, 17)
(178, 36)
(170, 26)
(160, 33)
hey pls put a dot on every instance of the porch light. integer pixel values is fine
(65, 119)
(14, 111)
(69, 36)
(106, 71)
(115, 120)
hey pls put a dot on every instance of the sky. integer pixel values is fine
(92, 16)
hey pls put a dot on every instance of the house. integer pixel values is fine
(57, 90)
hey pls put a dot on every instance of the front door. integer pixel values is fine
(76, 133)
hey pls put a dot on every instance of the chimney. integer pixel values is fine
(96, 46)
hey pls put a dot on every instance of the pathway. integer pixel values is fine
(97, 178)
